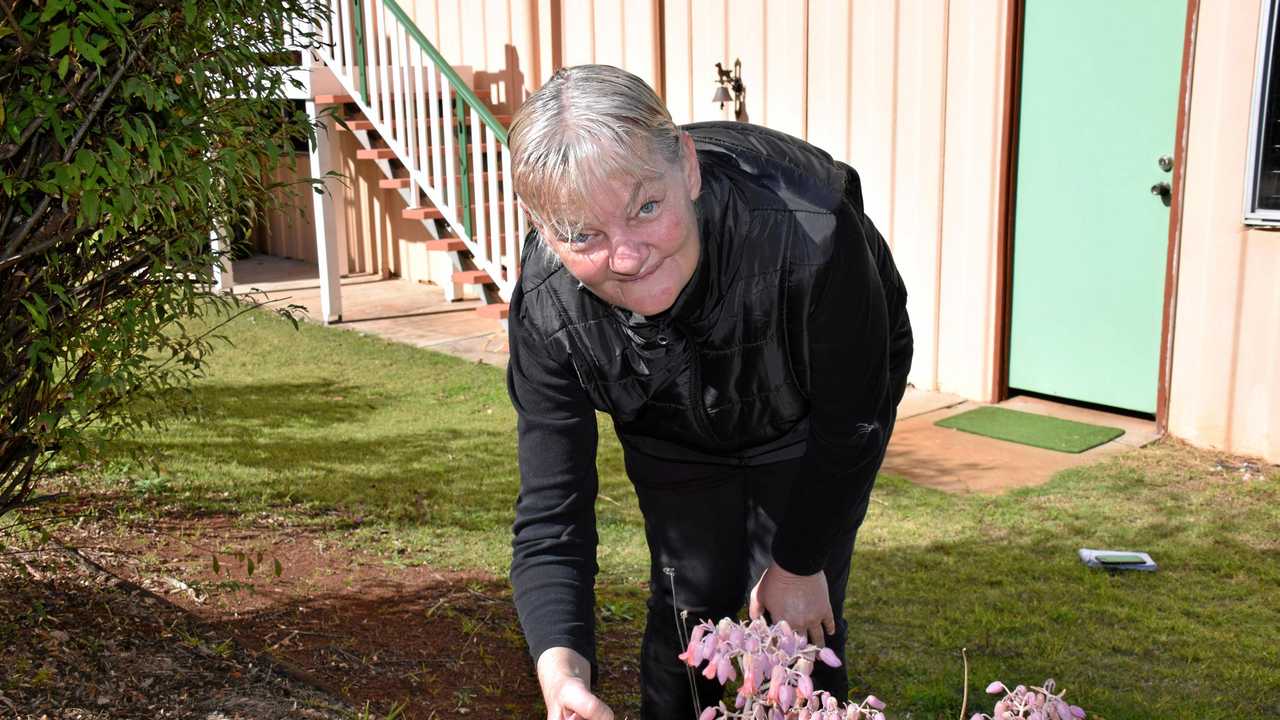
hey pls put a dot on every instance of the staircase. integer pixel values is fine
(437, 144)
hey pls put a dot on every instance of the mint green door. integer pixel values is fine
(1099, 102)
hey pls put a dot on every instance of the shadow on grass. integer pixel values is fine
(331, 444)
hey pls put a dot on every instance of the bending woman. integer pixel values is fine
(717, 290)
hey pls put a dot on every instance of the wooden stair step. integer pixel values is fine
(503, 118)
(422, 213)
(375, 154)
(497, 311)
(433, 213)
(356, 124)
(447, 245)
(334, 99)
(365, 124)
(400, 183)
(471, 277)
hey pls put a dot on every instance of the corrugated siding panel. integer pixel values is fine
(871, 116)
(1225, 386)
(783, 98)
(708, 46)
(678, 48)
(287, 230)
(917, 192)
(972, 176)
(830, 89)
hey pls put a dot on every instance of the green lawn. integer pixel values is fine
(412, 454)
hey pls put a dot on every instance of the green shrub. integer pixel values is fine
(128, 133)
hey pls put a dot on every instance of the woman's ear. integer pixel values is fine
(692, 170)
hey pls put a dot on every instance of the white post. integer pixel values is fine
(223, 276)
(326, 220)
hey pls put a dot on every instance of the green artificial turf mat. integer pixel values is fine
(1030, 429)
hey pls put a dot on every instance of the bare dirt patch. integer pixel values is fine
(81, 644)
(382, 638)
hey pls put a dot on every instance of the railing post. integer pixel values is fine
(358, 21)
(464, 166)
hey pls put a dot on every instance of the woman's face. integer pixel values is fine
(639, 246)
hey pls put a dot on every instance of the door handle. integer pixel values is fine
(1165, 162)
(1165, 191)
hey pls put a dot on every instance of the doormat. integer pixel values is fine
(1029, 429)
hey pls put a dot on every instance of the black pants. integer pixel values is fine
(713, 526)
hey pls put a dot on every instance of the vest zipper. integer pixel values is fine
(700, 415)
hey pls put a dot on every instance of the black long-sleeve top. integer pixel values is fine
(832, 411)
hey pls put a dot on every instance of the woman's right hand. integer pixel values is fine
(565, 677)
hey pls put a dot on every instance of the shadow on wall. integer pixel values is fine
(504, 90)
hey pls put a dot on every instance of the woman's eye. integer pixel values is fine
(649, 208)
(580, 239)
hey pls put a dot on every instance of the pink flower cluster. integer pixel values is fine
(1034, 703)
(774, 663)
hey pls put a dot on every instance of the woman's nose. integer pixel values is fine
(628, 256)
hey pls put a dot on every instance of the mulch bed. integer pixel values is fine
(80, 643)
(146, 626)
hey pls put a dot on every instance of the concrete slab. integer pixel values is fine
(1137, 431)
(957, 461)
(395, 309)
(918, 402)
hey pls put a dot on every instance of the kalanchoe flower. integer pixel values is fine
(1034, 703)
(775, 664)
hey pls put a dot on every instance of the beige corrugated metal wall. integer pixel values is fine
(1225, 388)
(612, 32)
(287, 230)
(497, 39)
(509, 43)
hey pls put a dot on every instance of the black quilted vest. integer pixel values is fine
(723, 375)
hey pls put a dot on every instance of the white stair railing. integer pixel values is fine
(453, 149)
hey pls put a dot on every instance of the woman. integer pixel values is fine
(719, 292)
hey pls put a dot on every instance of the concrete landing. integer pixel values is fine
(395, 309)
(957, 461)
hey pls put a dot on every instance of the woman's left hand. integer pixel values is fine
(801, 600)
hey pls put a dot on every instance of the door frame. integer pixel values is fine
(1007, 195)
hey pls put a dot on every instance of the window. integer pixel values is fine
(1262, 194)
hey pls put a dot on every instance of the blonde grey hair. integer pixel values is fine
(588, 125)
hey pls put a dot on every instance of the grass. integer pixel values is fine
(412, 454)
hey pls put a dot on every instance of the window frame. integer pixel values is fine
(1254, 215)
